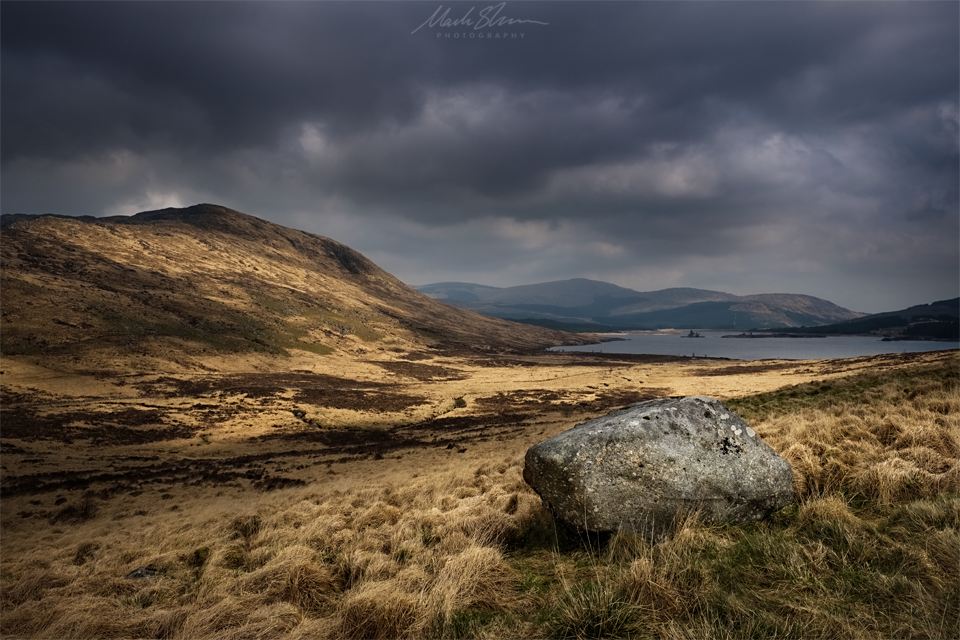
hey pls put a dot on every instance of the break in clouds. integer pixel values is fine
(745, 147)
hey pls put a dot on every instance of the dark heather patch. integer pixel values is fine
(422, 372)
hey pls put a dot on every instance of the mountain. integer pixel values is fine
(580, 303)
(206, 279)
(935, 321)
(579, 294)
(950, 308)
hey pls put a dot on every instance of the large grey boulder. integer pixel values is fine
(635, 469)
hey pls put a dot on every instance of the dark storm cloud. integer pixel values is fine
(240, 71)
(739, 146)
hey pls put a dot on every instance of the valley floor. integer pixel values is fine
(382, 497)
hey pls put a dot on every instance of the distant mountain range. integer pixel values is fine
(591, 305)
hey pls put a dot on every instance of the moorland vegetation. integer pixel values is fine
(402, 547)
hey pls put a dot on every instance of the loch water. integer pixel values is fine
(712, 344)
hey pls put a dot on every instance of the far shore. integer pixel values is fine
(613, 336)
(776, 335)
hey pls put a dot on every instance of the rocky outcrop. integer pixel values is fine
(635, 469)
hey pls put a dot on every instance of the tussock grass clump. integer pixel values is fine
(871, 548)
(663, 582)
(477, 578)
(594, 610)
(294, 576)
(379, 610)
(34, 584)
(84, 509)
(246, 527)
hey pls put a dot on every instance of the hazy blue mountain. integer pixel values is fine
(580, 303)
(561, 293)
(451, 292)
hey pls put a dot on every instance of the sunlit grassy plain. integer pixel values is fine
(431, 542)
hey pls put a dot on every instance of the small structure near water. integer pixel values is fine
(635, 469)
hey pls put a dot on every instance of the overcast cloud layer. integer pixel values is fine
(753, 147)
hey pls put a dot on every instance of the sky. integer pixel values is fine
(745, 147)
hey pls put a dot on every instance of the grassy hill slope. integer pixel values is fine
(935, 321)
(209, 280)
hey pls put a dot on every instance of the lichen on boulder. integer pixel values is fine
(636, 469)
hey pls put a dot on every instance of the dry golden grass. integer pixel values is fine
(440, 544)
(897, 441)
(372, 561)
